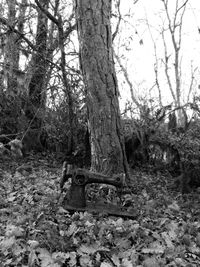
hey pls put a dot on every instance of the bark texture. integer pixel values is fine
(35, 109)
(97, 64)
(11, 55)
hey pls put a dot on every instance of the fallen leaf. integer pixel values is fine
(174, 206)
(150, 262)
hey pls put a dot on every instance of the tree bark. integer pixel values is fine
(37, 92)
(97, 64)
(11, 55)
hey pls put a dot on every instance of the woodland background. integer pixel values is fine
(53, 108)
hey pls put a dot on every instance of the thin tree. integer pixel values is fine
(12, 45)
(175, 25)
(36, 90)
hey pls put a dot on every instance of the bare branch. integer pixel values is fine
(183, 5)
(21, 35)
(127, 80)
(174, 26)
(119, 20)
(191, 82)
(155, 64)
(56, 21)
(167, 68)
(181, 23)
(46, 12)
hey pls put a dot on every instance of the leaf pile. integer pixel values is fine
(35, 230)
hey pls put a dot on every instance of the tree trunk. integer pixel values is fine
(61, 44)
(11, 54)
(71, 114)
(12, 75)
(37, 92)
(97, 64)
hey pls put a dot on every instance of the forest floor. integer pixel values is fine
(35, 230)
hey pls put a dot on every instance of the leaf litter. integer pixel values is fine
(35, 230)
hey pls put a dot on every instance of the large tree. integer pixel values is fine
(97, 64)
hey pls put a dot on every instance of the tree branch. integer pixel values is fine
(47, 13)
(127, 80)
(119, 20)
(56, 21)
(11, 28)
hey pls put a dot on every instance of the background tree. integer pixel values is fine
(61, 44)
(35, 108)
(12, 23)
(40, 72)
(175, 24)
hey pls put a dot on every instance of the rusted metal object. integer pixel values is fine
(75, 200)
